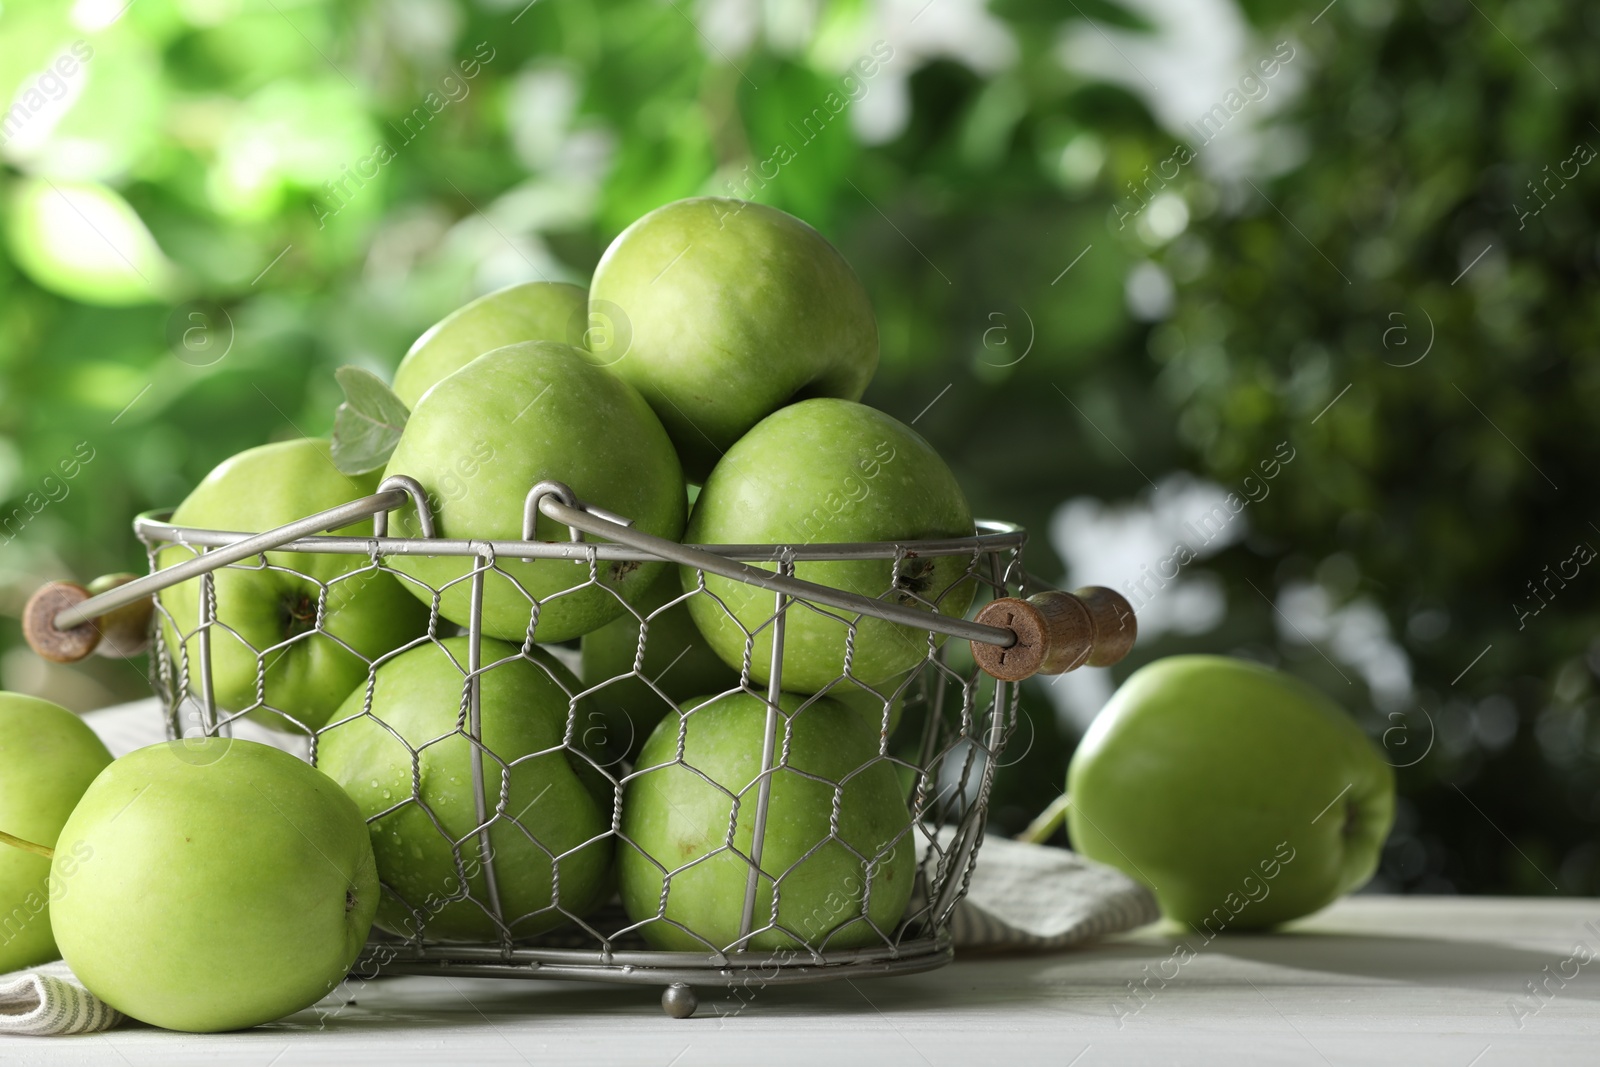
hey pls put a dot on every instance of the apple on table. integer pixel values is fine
(212, 884)
(48, 758)
(1241, 795)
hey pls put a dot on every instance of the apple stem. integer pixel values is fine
(26, 846)
(1048, 822)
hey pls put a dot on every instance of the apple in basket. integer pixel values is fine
(292, 636)
(480, 439)
(532, 311)
(822, 471)
(1241, 795)
(624, 710)
(550, 807)
(212, 884)
(48, 757)
(722, 311)
(688, 822)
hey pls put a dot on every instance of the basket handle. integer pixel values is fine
(63, 623)
(1049, 633)
(127, 626)
(1012, 639)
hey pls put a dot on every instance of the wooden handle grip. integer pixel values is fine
(124, 631)
(39, 623)
(1057, 632)
(119, 634)
(1115, 627)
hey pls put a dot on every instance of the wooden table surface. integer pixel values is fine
(1374, 980)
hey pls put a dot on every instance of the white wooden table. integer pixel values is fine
(1374, 980)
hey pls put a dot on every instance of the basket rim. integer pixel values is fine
(994, 536)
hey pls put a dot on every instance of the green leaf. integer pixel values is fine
(367, 426)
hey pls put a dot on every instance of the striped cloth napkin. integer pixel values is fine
(48, 1001)
(1021, 897)
(1038, 897)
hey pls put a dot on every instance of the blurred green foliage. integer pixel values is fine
(1442, 265)
(230, 199)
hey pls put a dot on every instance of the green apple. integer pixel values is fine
(555, 819)
(823, 471)
(266, 637)
(681, 825)
(48, 757)
(212, 884)
(676, 658)
(1238, 793)
(532, 311)
(880, 707)
(722, 311)
(484, 436)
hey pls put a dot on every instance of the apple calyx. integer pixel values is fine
(299, 614)
(27, 846)
(913, 578)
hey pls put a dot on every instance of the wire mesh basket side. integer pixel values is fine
(935, 732)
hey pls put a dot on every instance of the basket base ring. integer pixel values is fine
(667, 970)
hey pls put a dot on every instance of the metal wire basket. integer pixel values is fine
(933, 734)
